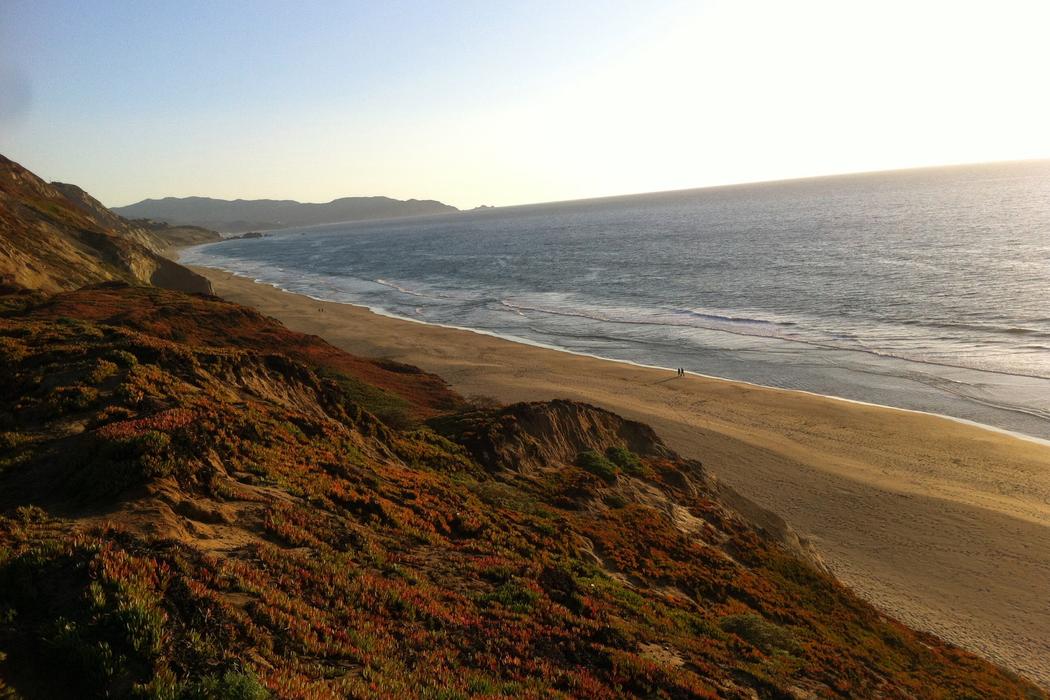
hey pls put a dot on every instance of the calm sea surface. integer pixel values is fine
(925, 289)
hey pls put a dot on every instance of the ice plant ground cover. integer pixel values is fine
(198, 502)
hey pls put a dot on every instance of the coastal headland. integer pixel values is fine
(942, 524)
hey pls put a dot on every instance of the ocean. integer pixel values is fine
(922, 289)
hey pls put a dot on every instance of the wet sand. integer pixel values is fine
(944, 525)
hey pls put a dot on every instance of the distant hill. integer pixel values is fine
(241, 215)
(55, 236)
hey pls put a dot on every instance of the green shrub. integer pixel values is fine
(387, 406)
(103, 370)
(596, 464)
(12, 351)
(67, 399)
(13, 440)
(123, 358)
(150, 451)
(513, 596)
(760, 633)
(625, 460)
(232, 685)
(120, 463)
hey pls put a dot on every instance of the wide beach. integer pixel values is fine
(944, 525)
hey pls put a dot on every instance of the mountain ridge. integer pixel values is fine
(239, 215)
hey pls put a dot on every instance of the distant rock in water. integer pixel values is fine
(241, 215)
(250, 234)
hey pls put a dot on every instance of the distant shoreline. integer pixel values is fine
(943, 523)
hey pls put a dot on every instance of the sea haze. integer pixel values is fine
(925, 289)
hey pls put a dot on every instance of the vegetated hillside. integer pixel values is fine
(56, 236)
(171, 237)
(155, 235)
(199, 503)
(262, 214)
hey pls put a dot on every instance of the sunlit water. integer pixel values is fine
(924, 289)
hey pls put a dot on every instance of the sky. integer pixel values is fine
(503, 103)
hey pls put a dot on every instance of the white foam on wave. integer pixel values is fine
(894, 342)
(539, 344)
(403, 290)
(794, 330)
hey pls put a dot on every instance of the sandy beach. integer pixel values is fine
(944, 525)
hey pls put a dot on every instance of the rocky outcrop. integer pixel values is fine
(104, 218)
(529, 438)
(534, 436)
(57, 237)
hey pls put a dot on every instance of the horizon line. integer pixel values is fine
(735, 183)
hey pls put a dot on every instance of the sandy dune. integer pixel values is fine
(944, 525)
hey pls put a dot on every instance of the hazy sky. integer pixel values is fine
(503, 103)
